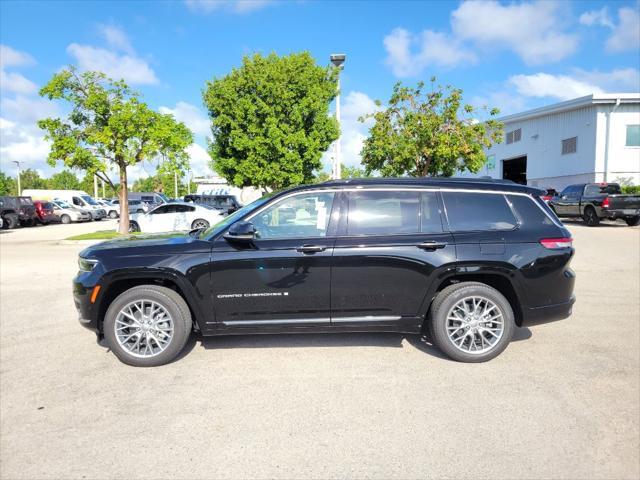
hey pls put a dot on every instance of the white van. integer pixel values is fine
(77, 198)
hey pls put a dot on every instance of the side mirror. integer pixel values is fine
(243, 232)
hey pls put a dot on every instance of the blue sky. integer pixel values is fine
(515, 55)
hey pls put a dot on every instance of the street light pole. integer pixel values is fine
(338, 60)
(18, 162)
(175, 184)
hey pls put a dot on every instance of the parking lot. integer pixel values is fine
(563, 401)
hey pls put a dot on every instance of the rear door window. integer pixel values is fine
(383, 213)
(467, 211)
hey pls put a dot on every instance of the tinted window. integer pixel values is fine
(478, 211)
(383, 213)
(527, 211)
(430, 218)
(184, 208)
(163, 209)
(77, 201)
(610, 189)
(304, 215)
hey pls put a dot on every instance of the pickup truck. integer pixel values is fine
(597, 201)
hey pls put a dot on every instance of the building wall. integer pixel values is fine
(623, 163)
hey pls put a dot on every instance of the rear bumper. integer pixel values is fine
(548, 313)
(620, 213)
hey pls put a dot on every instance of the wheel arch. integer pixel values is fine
(121, 283)
(500, 281)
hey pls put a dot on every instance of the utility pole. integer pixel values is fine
(338, 60)
(95, 186)
(175, 184)
(103, 192)
(18, 162)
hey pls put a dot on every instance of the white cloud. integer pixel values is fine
(199, 160)
(533, 30)
(562, 87)
(615, 81)
(233, 6)
(15, 82)
(191, 116)
(14, 58)
(597, 17)
(116, 38)
(128, 67)
(429, 48)
(626, 35)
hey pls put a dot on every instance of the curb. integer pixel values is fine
(79, 242)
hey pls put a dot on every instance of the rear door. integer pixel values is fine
(389, 245)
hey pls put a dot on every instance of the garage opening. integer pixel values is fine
(515, 170)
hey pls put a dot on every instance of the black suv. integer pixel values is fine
(461, 261)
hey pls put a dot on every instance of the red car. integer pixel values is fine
(44, 210)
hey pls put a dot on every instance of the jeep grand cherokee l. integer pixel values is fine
(463, 261)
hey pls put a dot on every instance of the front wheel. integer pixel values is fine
(633, 221)
(147, 325)
(65, 219)
(133, 226)
(200, 223)
(471, 322)
(590, 217)
(113, 214)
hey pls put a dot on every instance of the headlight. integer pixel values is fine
(86, 264)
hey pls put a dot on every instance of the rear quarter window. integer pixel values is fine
(528, 212)
(468, 211)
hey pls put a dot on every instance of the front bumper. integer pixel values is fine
(548, 313)
(87, 311)
(98, 214)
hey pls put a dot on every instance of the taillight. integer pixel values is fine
(605, 202)
(557, 243)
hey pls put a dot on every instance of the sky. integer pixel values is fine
(513, 55)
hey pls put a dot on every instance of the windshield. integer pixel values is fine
(89, 200)
(228, 220)
(163, 197)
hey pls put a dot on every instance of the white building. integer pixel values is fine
(590, 139)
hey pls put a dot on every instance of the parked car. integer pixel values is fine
(175, 216)
(549, 194)
(68, 214)
(464, 261)
(77, 198)
(46, 213)
(149, 199)
(9, 212)
(22, 207)
(135, 206)
(225, 203)
(597, 201)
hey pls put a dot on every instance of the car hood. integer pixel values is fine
(134, 241)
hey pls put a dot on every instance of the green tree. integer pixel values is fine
(109, 127)
(164, 183)
(354, 172)
(7, 185)
(30, 179)
(270, 120)
(429, 133)
(64, 180)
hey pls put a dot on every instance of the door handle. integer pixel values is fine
(311, 249)
(431, 245)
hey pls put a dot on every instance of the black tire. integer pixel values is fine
(65, 219)
(200, 223)
(11, 221)
(29, 222)
(590, 217)
(633, 221)
(97, 219)
(113, 214)
(446, 300)
(168, 299)
(133, 226)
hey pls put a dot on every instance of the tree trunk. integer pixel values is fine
(123, 195)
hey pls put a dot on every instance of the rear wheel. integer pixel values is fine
(11, 221)
(147, 326)
(200, 223)
(633, 221)
(471, 322)
(65, 218)
(133, 226)
(590, 217)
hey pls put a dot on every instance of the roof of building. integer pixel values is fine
(581, 102)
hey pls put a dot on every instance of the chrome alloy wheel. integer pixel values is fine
(143, 328)
(475, 325)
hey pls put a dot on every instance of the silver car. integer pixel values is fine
(68, 214)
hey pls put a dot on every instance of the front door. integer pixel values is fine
(568, 202)
(386, 253)
(283, 277)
